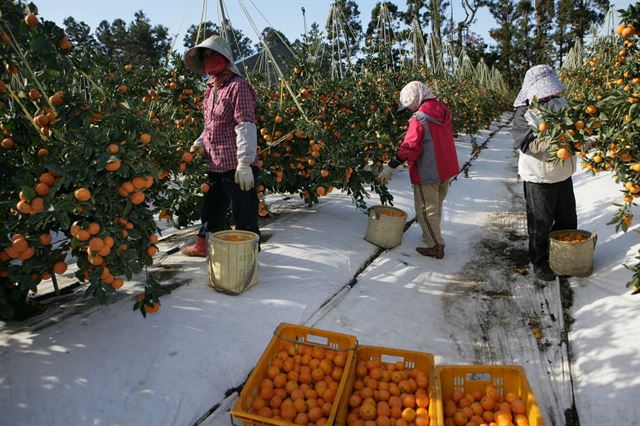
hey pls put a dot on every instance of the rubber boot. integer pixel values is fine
(199, 249)
(436, 251)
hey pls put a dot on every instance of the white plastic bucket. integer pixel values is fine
(232, 257)
(386, 226)
(572, 258)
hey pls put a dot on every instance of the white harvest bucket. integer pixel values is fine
(386, 226)
(232, 257)
(571, 252)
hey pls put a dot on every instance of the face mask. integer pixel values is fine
(215, 63)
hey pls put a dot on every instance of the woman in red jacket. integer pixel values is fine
(430, 150)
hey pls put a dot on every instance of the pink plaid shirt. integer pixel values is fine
(224, 107)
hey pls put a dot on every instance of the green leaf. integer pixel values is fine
(28, 192)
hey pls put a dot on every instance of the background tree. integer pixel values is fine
(437, 10)
(394, 14)
(272, 37)
(241, 45)
(584, 14)
(112, 37)
(544, 12)
(524, 47)
(344, 30)
(79, 33)
(139, 43)
(470, 8)
(477, 49)
(417, 10)
(384, 36)
(561, 37)
(505, 14)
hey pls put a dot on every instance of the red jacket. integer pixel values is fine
(429, 146)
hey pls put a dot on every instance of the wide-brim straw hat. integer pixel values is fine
(193, 56)
(540, 82)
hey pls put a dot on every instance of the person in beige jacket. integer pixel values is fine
(548, 188)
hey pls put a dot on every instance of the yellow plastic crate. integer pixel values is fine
(411, 359)
(470, 378)
(299, 336)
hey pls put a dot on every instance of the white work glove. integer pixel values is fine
(246, 142)
(385, 176)
(244, 176)
(197, 147)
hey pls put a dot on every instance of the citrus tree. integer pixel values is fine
(94, 152)
(80, 163)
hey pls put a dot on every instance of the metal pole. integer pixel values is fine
(304, 19)
(225, 26)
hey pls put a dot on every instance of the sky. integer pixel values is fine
(178, 15)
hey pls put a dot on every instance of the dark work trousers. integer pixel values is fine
(224, 192)
(550, 206)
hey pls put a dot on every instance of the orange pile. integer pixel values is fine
(390, 212)
(235, 238)
(571, 237)
(486, 408)
(386, 394)
(300, 385)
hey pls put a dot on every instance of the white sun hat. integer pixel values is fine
(540, 82)
(413, 94)
(193, 56)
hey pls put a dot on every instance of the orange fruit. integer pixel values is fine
(34, 94)
(408, 415)
(152, 308)
(137, 197)
(45, 239)
(31, 20)
(82, 194)
(60, 268)
(591, 109)
(37, 205)
(204, 188)
(563, 154)
(83, 235)
(42, 189)
(113, 165)
(187, 157)
(65, 44)
(19, 243)
(27, 254)
(47, 179)
(24, 207)
(96, 244)
(145, 138)
(117, 283)
(151, 250)
(8, 143)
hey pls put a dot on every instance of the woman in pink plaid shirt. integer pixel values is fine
(229, 142)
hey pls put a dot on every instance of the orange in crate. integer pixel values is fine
(485, 394)
(389, 386)
(299, 379)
